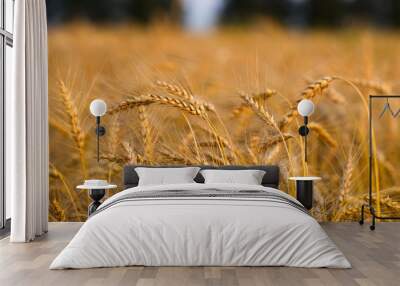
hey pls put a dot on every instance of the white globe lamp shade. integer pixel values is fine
(305, 107)
(98, 107)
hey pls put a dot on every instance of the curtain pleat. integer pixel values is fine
(29, 159)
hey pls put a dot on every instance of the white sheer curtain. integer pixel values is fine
(26, 124)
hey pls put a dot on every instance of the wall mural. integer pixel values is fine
(226, 97)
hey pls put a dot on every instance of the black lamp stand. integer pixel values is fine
(100, 131)
(303, 131)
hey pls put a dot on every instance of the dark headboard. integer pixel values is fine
(271, 177)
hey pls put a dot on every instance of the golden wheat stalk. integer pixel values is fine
(252, 157)
(317, 87)
(223, 143)
(175, 90)
(259, 110)
(287, 118)
(146, 133)
(207, 106)
(59, 127)
(274, 141)
(190, 107)
(347, 179)
(132, 156)
(178, 91)
(387, 167)
(213, 159)
(170, 158)
(264, 94)
(260, 97)
(76, 130)
(323, 134)
(252, 149)
(380, 87)
(196, 149)
(129, 104)
(220, 139)
(332, 93)
(56, 213)
(269, 119)
(210, 144)
(348, 212)
(390, 203)
(189, 144)
(177, 157)
(54, 172)
(115, 158)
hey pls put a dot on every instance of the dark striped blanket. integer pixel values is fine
(206, 194)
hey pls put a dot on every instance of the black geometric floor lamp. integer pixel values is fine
(395, 114)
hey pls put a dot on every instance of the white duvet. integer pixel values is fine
(200, 231)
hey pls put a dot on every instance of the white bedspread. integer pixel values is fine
(200, 231)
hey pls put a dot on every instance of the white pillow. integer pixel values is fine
(248, 177)
(166, 176)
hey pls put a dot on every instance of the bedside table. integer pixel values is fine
(304, 190)
(96, 193)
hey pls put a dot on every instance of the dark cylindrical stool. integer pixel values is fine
(304, 190)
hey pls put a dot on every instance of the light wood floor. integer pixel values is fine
(375, 257)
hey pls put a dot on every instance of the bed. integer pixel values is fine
(198, 224)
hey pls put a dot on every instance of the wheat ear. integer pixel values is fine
(317, 87)
(259, 110)
(269, 119)
(323, 134)
(262, 96)
(175, 90)
(347, 179)
(128, 104)
(77, 133)
(190, 107)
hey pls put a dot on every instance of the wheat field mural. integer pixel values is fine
(226, 98)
